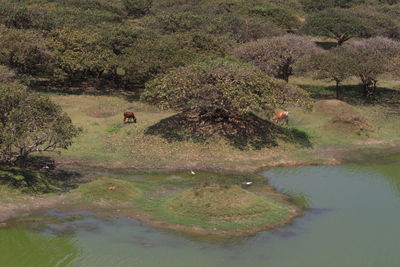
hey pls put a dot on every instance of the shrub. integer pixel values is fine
(277, 55)
(30, 123)
(221, 85)
(278, 15)
(25, 50)
(371, 58)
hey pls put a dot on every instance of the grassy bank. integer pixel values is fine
(108, 142)
(200, 204)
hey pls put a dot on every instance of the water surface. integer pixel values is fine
(353, 220)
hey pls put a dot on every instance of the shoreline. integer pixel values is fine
(33, 203)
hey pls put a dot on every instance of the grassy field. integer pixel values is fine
(108, 142)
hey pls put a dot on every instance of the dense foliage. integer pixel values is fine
(125, 43)
(29, 123)
(370, 58)
(221, 86)
(277, 56)
(334, 65)
(344, 24)
(177, 49)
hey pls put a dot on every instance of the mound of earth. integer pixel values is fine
(220, 203)
(107, 189)
(334, 107)
(343, 117)
(240, 131)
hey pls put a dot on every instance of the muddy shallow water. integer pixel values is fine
(353, 220)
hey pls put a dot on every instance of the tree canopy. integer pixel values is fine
(277, 55)
(344, 24)
(30, 122)
(221, 86)
(371, 58)
(333, 64)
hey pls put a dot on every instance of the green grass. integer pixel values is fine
(9, 194)
(109, 190)
(107, 141)
(170, 198)
(222, 207)
(27, 180)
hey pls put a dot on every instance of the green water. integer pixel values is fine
(354, 220)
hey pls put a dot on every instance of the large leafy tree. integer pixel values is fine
(336, 23)
(221, 87)
(29, 123)
(333, 65)
(344, 24)
(220, 98)
(277, 55)
(25, 50)
(81, 53)
(370, 58)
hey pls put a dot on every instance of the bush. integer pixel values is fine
(370, 58)
(25, 50)
(278, 15)
(277, 55)
(244, 28)
(30, 123)
(220, 85)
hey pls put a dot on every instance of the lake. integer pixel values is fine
(353, 220)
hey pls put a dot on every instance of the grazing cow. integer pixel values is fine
(281, 115)
(129, 117)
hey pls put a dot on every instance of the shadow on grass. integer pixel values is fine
(353, 94)
(38, 175)
(94, 88)
(327, 45)
(249, 132)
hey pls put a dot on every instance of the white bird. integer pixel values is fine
(247, 183)
(46, 167)
(192, 172)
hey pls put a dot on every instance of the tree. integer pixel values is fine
(221, 88)
(25, 50)
(152, 55)
(29, 123)
(277, 55)
(333, 64)
(245, 28)
(280, 16)
(344, 24)
(81, 54)
(371, 58)
(336, 23)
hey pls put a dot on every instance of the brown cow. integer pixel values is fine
(129, 117)
(281, 116)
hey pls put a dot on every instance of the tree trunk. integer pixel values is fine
(337, 90)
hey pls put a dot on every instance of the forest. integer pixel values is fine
(219, 64)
